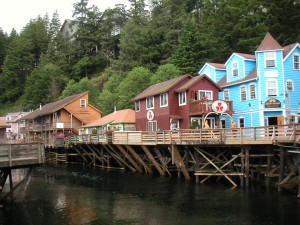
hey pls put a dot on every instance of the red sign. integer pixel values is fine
(150, 115)
(219, 106)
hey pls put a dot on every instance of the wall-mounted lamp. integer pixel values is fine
(261, 102)
(249, 104)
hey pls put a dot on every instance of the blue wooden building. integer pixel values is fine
(264, 87)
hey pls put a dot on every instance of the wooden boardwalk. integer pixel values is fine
(20, 155)
(14, 156)
(269, 135)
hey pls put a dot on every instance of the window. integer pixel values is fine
(271, 87)
(235, 70)
(151, 125)
(252, 90)
(241, 122)
(82, 103)
(164, 100)
(137, 106)
(226, 94)
(290, 85)
(296, 62)
(243, 93)
(150, 103)
(270, 59)
(182, 98)
(205, 95)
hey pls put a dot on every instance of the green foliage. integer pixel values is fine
(83, 85)
(49, 79)
(164, 73)
(135, 82)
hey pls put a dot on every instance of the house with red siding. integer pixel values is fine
(177, 103)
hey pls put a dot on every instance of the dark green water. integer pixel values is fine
(76, 195)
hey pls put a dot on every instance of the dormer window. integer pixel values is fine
(150, 103)
(82, 103)
(235, 70)
(270, 59)
(296, 62)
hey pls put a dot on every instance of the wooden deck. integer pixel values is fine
(20, 155)
(286, 134)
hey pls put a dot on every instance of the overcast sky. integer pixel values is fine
(17, 13)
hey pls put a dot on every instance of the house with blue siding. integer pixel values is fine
(264, 87)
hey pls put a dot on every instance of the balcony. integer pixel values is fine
(200, 107)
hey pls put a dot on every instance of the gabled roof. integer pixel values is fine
(252, 76)
(220, 66)
(3, 124)
(194, 80)
(117, 117)
(52, 107)
(160, 87)
(268, 43)
(242, 55)
(289, 48)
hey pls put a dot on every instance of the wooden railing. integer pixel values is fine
(227, 136)
(198, 107)
(14, 155)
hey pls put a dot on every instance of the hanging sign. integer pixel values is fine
(273, 103)
(150, 115)
(219, 106)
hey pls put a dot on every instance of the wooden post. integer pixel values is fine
(141, 161)
(269, 162)
(242, 167)
(181, 162)
(282, 165)
(247, 166)
(152, 159)
(133, 163)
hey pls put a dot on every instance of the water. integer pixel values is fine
(71, 195)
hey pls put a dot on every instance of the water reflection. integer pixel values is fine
(76, 195)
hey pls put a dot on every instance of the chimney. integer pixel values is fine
(115, 109)
(40, 106)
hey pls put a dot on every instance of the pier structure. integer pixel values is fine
(16, 156)
(240, 156)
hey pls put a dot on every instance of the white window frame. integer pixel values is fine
(252, 91)
(137, 106)
(182, 98)
(270, 59)
(151, 125)
(241, 124)
(271, 90)
(226, 94)
(243, 93)
(150, 102)
(82, 103)
(296, 59)
(163, 100)
(206, 93)
(289, 85)
(235, 68)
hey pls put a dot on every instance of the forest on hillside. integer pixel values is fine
(116, 53)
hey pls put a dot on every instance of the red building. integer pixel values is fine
(177, 104)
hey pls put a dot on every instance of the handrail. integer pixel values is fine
(247, 135)
(12, 155)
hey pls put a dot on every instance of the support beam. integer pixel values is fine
(228, 178)
(133, 163)
(152, 159)
(247, 166)
(139, 159)
(282, 167)
(181, 162)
